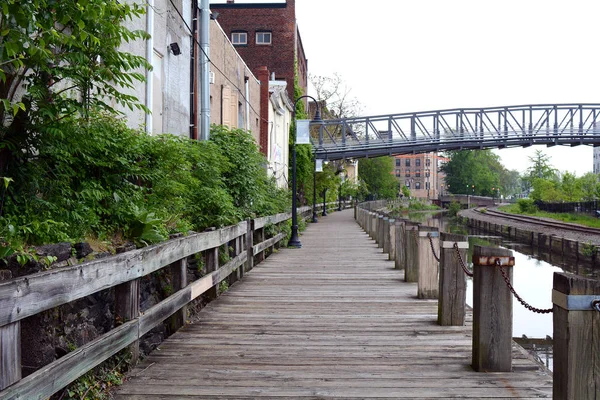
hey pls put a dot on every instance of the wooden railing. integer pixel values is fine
(29, 295)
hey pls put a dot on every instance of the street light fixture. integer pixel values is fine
(294, 239)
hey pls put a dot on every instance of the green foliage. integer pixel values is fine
(453, 208)
(405, 191)
(377, 174)
(526, 206)
(97, 177)
(473, 172)
(581, 219)
(540, 169)
(95, 384)
(588, 249)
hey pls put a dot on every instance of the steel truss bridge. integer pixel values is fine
(457, 129)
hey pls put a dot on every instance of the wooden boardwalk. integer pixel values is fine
(330, 320)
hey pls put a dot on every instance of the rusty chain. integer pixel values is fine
(461, 261)
(416, 236)
(432, 248)
(513, 291)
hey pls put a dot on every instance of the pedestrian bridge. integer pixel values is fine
(457, 129)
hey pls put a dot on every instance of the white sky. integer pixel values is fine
(417, 55)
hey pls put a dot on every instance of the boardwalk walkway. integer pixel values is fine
(330, 320)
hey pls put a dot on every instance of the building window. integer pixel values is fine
(407, 173)
(239, 38)
(418, 162)
(397, 172)
(263, 37)
(418, 173)
(407, 162)
(427, 173)
(417, 185)
(398, 161)
(427, 162)
(408, 184)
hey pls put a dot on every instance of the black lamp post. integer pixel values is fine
(314, 217)
(294, 239)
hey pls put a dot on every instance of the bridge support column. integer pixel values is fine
(453, 281)
(492, 310)
(427, 282)
(576, 337)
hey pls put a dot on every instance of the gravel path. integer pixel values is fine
(579, 236)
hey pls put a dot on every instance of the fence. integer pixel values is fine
(29, 295)
(436, 261)
(587, 207)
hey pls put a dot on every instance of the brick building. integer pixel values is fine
(421, 174)
(266, 36)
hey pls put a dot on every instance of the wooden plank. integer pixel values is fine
(274, 219)
(260, 247)
(127, 308)
(576, 342)
(25, 296)
(10, 354)
(492, 314)
(178, 282)
(49, 379)
(211, 264)
(453, 282)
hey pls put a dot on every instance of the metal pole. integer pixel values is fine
(294, 240)
(204, 70)
(314, 216)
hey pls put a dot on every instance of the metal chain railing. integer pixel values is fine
(512, 290)
(433, 248)
(461, 261)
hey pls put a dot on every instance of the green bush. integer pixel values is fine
(454, 208)
(526, 206)
(99, 178)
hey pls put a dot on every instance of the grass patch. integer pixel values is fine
(581, 219)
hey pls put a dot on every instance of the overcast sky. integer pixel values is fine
(403, 56)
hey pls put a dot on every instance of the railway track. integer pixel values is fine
(541, 222)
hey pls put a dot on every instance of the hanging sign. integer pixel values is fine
(319, 165)
(302, 132)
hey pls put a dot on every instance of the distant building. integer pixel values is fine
(421, 174)
(596, 166)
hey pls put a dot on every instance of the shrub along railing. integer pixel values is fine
(29, 295)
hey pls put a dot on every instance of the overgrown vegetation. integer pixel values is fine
(99, 178)
(581, 219)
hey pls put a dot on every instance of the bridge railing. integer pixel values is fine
(29, 295)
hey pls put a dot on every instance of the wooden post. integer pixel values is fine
(400, 238)
(380, 230)
(211, 263)
(392, 239)
(10, 348)
(576, 372)
(127, 308)
(179, 281)
(249, 247)
(385, 235)
(260, 237)
(492, 310)
(427, 281)
(453, 281)
(411, 249)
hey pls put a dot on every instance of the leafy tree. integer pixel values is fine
(590, 186)
(473, 172)
(59, 59)
(571, 187)
(377, 174)
(540, 169)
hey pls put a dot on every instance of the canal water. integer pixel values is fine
(532, 278)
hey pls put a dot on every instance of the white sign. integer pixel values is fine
(319, 165)
(302, 132)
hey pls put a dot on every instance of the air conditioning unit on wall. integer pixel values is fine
(211, 77)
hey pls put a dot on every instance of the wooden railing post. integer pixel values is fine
(576, 372)
(385, 235)
(249, 246)
(373, 225)
(10, 348)
(411, 253)
(428, 282)
(179, 281)
(127, 308)
(211, 263)
(392, 239)
(492, 310)
(260, 237)
(453, 281)
(400, 238)
(380, 231)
